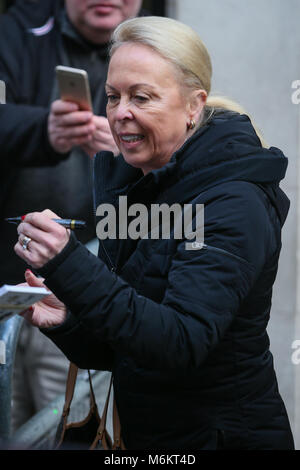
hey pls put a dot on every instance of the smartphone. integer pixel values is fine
(2, 92)
(74, 86)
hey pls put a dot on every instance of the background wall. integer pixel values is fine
(255, 51)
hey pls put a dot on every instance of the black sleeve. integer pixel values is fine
(205, 290)
(24, 137)
(80, 346)
(76, 341)
(23, 131)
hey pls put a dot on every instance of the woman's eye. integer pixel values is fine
(141, 99)
(112, 98)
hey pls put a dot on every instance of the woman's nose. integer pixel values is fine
(123, 111)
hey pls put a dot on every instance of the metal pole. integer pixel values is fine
(9, 333)
(39, 431)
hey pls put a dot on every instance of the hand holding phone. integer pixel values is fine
(69, 127)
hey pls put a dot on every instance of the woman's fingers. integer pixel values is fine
(34, 281)
(40, 238)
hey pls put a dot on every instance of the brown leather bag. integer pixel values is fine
(90, 433)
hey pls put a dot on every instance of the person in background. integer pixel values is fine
(46, 148)
(182, 328)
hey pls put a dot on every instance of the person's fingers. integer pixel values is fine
(37, 236)
(68, 144)
(49, 213)
(36, 252)
(103, 136)
(101, 122)
(40, 249)
(75, 118)
(102, 125)
(95, 146)
(45, 238)
(32, 280)
(27, 313)
(68, 133)
(62, 107)
(39, 220)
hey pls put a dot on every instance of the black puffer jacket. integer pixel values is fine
(184, 331)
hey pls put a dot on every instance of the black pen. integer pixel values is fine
(67, 223)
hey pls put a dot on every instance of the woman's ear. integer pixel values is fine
(196, 103)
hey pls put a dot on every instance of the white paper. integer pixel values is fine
(15, 299)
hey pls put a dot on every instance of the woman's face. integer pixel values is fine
(147, 110)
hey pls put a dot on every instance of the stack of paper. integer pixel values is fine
(15, 299)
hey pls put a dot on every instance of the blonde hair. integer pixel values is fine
(182, 46)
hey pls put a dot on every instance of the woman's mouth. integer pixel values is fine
(131, 138)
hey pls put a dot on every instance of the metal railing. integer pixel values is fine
(39, 432)
(9, 334)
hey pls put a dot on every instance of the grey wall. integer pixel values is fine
(255, 50)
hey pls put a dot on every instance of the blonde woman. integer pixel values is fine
(183, 328)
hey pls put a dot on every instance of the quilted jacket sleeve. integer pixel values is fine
(80, 345)
(205, 289)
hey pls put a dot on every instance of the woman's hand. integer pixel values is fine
(46, 313)
(45, 238)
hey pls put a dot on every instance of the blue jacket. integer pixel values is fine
(184, 331)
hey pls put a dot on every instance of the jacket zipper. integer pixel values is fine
(224, 252)
(113, 268)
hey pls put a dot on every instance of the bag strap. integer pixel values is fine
(118, 441)
(92, 394)
(101, 432)
(70, 386)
